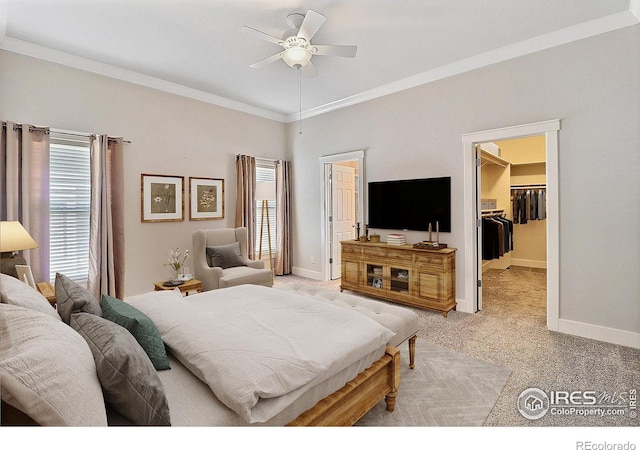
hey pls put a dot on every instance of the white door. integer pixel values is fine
(343, 212)
(478, 219)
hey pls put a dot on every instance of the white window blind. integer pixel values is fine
(265, 171)
(69, 208)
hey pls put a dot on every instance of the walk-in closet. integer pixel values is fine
(513, 209)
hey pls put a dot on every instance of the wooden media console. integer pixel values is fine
(418, 277)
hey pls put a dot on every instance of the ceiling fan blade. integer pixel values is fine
(267, 37)
(309, 70)
(310, 25)
(260, 64)
(346, 51)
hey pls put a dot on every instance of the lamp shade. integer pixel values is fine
(265, 190)
(296, 56)
(13, 237)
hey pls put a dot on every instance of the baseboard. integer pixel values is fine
(600, 333)
(314, 275)
(463, 306)
(529, 263)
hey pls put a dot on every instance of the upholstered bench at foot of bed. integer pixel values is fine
(402, 321)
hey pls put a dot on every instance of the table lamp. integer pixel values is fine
(13, 238)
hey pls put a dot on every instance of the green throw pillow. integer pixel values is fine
(140, 326)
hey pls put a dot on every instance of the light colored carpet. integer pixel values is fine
(511, 332)
(446, 388)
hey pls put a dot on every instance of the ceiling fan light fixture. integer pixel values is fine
(296, 56)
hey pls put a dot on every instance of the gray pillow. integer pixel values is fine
(140, 326)
(71, 297)
(129, 382)
(225, 256)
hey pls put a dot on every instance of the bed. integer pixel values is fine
(329, 365)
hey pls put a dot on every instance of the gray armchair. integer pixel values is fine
(220, 260)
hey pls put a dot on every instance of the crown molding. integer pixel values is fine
(581, 31)
(584, 30)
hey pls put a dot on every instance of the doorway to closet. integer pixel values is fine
(472, 263)
(512, 240)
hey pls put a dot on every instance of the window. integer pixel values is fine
(69, 208)
(266, 172)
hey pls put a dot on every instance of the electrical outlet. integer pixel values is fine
(313, 259)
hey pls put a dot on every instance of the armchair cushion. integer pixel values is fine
(236, 267)
(225, 256)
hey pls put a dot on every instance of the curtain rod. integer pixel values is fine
(77, 134)
(49, 131)
(260, 157)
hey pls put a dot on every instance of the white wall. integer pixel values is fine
(592, 85)
(170, 135)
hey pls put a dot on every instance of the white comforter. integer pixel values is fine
(260, 348)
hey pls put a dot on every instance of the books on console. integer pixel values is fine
(396, 239)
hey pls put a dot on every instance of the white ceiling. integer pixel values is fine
(193, 47)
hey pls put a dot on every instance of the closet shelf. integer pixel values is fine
(489, 158)
(528, 163)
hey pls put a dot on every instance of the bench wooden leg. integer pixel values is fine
(412, 351)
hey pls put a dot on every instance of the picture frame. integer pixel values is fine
(206, 198)
(25, 275)
(162, 198)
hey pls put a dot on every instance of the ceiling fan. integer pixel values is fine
(297, 45)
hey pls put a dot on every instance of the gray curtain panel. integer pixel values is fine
(106, 238)
(245, 199)
(24, 170)
(283, 218)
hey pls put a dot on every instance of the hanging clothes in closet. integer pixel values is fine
(529, 204)
(497, 237)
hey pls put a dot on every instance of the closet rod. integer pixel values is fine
(526, 186)
(492, 212)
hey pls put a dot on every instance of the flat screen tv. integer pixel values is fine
(410, 204)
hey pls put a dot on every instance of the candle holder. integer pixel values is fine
(431, 244)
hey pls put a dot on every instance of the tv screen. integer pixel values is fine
(410, 204)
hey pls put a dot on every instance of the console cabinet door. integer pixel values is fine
(435, 281)
(350, 273)
(375, 275)
(400, 280)
(428, 285)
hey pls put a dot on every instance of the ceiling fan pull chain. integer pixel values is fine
(300, 99)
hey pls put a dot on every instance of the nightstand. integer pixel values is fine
(188, 287)
(48, 291)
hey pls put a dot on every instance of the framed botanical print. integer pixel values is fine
(162, 198)
(206, 198)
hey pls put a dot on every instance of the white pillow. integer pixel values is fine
(16, 292)
(47, 370)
